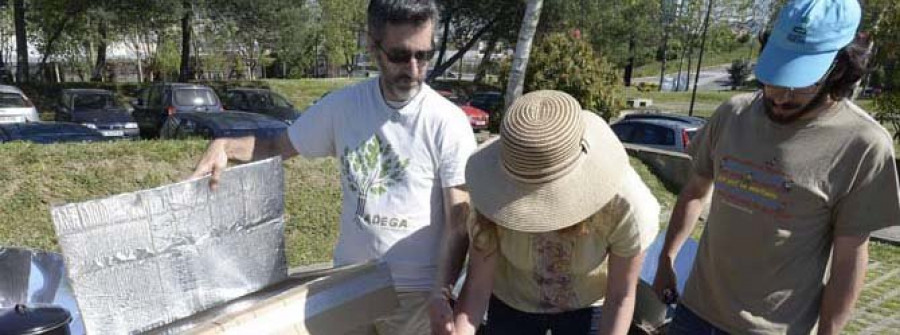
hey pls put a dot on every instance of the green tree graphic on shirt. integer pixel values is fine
(371, 169)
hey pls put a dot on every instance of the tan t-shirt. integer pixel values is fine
(781, 193)
(561, 271)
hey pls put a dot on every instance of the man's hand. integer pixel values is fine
(664, 284)
(240, 149)
(214, 161)
(441, 313)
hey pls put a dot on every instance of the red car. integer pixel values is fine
(478, 118)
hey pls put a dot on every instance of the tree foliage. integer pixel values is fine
(609, 26)
(343, 22)
(882, 22)
(569, 64)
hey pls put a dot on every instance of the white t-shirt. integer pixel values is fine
(394, 164)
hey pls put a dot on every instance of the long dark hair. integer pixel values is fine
(851, 64)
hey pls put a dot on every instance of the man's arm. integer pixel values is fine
(849, 257)
(621, 289)
(684, 217)
(476, 292)
(242, 149)
(452, 255)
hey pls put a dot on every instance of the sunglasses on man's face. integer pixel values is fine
(403, 56)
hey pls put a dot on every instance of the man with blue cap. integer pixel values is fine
(802, 177)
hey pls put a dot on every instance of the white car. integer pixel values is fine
(15, 107)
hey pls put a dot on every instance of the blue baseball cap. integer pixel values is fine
(805, 40)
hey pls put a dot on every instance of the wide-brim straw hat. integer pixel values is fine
(553, 166)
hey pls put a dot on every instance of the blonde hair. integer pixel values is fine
(484, 232)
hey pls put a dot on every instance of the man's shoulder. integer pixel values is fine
(347, 94)
(863, 127)
(438, 107)
(436, 101)
(737, 104)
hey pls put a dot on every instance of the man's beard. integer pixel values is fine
(812, 105)
(404, 87)
(404, 91)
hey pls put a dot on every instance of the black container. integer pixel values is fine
(34, 320)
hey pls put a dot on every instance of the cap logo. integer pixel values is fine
(797, 35)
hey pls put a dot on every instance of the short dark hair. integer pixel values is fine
(851, 64)
(415, 12)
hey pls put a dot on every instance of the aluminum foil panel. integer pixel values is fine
(328, 301)
(140, 260)
(37, 278)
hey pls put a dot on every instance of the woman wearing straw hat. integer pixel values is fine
(556, 200)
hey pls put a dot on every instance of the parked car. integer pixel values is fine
(478, 118)
(15, 107)
(658, 130)
(488, 101)
(260, 101)
(211, 125)
(48, 132)
(159, 101)
(96, 109)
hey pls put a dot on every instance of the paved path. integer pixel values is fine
(712, 78)
(890, 235)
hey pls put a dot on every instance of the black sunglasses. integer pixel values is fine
(403, 56)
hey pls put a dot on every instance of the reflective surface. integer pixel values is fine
(649, 311)
(684, 261)
(140, 260)
(37, 278)
(335, 293)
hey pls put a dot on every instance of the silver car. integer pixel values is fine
(15, 107)
(658, 130)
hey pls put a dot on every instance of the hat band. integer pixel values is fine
(546, 176)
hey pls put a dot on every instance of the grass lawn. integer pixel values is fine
(652, 69)
(303, 92)
(34, 177)
(704, 105)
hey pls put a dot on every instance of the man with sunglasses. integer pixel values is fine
(402, 150)
(802, 177)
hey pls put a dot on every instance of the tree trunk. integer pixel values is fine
(21, 41)
(700, 57)
(140, 69)
(517, 72)
(438, 70)
(448, 14)
(665, 44)
(51, 42)
(100, 67)
(186, 27)
(486, 59)
(690, 61)
(662, 67)
(678, 76)
(629, 68)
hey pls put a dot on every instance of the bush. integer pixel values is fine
(647, 87)
(738, 73)
(565, 63)
(887, 108)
